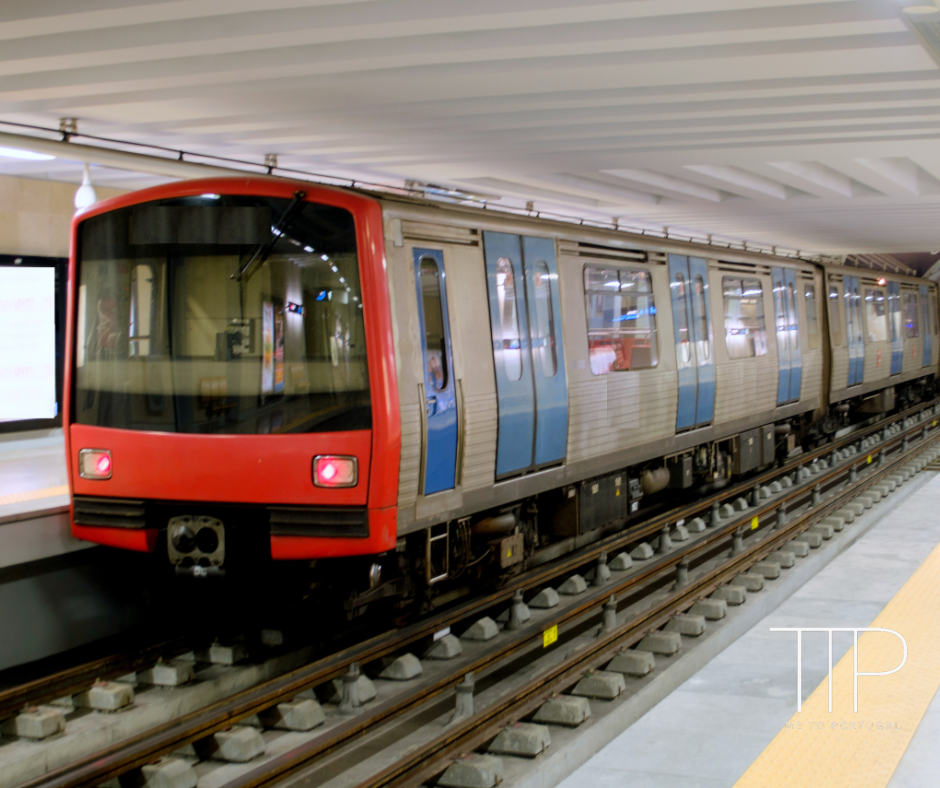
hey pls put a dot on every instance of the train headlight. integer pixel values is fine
(94, 464)
(334, 471)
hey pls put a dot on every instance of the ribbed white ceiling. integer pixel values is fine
(810, 125)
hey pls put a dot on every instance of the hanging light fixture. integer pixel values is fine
(85, 195)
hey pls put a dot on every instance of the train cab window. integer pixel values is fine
(910, 316)
(621, 319)
(793, 323)
(543, 334)
(142, 309)
(745, 330)
(876, 315)
(509, 318)
(433, 323)
(835, 318)
(812, 326)
(933, 312)
(196, 318)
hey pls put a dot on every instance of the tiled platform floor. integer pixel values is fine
(708, 732)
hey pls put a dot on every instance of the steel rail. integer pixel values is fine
(80, 677)
(431, 759)
(143, 749)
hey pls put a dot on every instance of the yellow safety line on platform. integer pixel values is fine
(862, 750)
(32, 495)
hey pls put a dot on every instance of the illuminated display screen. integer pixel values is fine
(27, 343)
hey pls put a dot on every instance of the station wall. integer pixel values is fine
(35, 215)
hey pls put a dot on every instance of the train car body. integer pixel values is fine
(263, 369)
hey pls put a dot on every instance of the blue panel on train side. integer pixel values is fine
(793, 323)
(685, 359)
(926, 328)
(440, 462)
(510, 331)
(548, 353)
(704, 356)
(781, 324)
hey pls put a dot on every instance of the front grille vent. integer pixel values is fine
(311, 521)
(112, 512)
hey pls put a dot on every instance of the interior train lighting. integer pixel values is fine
(95, 463)
(335, 471)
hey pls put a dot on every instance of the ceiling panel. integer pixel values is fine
(809, 125)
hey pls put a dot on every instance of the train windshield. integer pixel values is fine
(220, 314)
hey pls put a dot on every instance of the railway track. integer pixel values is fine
(645, 601)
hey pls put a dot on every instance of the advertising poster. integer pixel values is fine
(278, 348)
(267, 348)
(27, 343)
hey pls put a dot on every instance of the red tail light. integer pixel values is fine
(332, 471)
(94, 464)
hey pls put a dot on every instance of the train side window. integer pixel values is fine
(876, 315)
(812, 326)
(434, 323)
(933, 312)
(509, 318)
(681, 306)
(894, 314)
(835, 319)
(911, 329)
(701, 319)
(745, 329)
(925, 317)
(793, 323)
(544, 334)
(780, 310)
(621, 319)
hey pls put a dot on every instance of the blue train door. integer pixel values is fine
(688, 280)
(926, 332)
(782, 321)
(793, 326)
(894, 318)
(853, 327)
(525, 319)
(440, 401)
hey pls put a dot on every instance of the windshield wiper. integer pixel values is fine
(260, 253)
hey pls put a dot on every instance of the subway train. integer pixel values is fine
(400, 397)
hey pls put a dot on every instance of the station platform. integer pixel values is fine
(34, 490)
(56, 592)
(736, 721)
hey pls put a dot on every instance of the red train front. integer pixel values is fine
(232, 376)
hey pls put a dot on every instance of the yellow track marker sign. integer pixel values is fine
(549, 636)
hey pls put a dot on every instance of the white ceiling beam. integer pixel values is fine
(596, 187)
(905, 173)
(668, 183)
(742, 179)
(826, 178)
